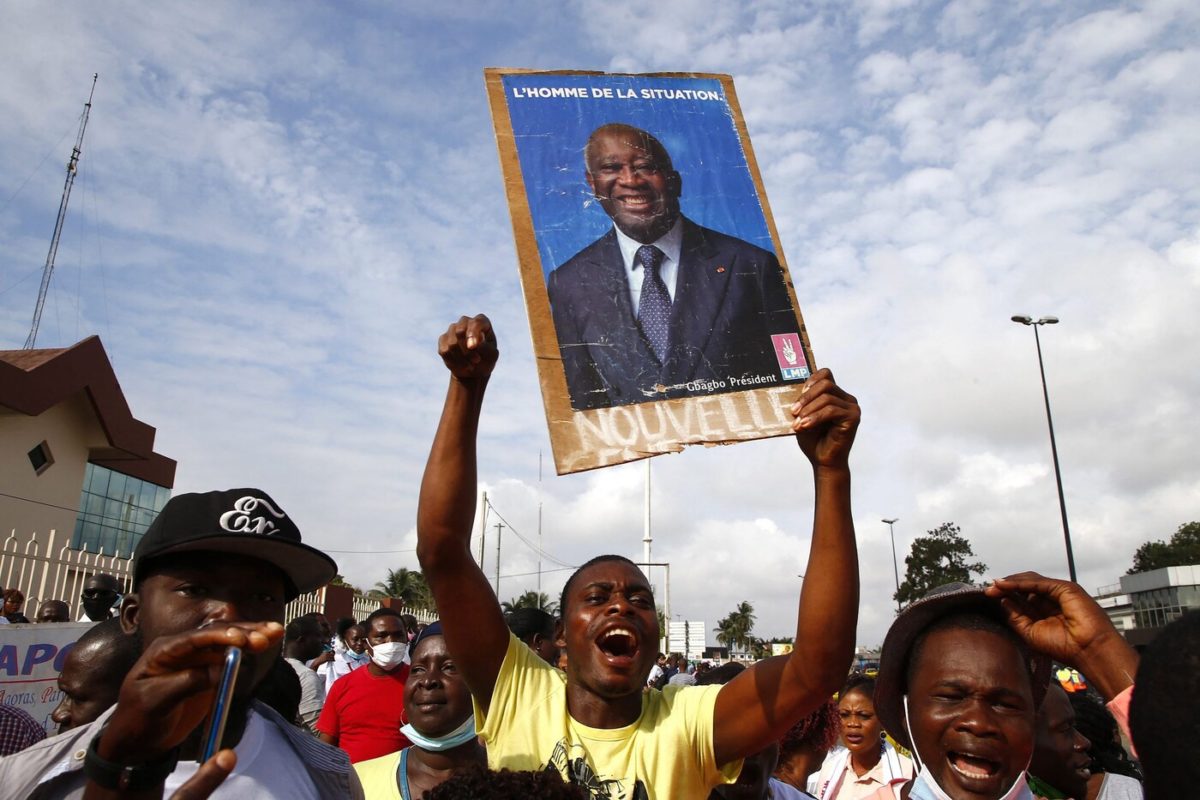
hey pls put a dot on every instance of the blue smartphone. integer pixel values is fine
(220, 709)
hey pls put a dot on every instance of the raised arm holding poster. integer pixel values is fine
(661, 309)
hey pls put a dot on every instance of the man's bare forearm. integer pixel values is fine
(828, 611)
(475, 631)
(446, 509)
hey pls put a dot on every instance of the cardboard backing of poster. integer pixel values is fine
(660, 304)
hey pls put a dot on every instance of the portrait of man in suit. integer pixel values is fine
(660, 306)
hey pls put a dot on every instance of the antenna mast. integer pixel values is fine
(72, 167)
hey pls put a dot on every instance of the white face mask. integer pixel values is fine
(925, 787)
(388, 655)
(460, 735)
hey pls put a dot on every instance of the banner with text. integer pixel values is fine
(660, 304)
(31, 656)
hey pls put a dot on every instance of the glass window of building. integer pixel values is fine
(114, 511)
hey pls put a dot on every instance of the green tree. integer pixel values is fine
(406, 585)
(339, 580)
(759, 648)
(736, 629)
(726, 634)
(1184, 548)
(531, 599)
(936, 558)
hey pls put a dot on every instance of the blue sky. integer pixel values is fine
(281, 205)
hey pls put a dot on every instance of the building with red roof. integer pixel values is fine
(74, 458)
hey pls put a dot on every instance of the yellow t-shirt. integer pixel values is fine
(378, 777)
(667, 753)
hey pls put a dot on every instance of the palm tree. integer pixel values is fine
(735, 630)
(340, 580)
(744, 615)
(406, 585)
(759, 648)
(725, 632)
(531, 599)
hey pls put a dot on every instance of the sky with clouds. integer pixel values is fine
(281, 205)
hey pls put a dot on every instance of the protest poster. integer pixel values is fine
(31, 656)
(697, 338)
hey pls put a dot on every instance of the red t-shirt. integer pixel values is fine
(364, 713)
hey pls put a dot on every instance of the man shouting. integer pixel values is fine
(595, 724)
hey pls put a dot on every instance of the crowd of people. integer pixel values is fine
(99, 600)
(966, 703)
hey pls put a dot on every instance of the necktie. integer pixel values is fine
(654, 307)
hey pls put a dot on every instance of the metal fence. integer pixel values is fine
(45, 570)
(306, 604)
(422, 615)
(363, 606)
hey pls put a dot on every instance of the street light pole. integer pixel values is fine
(1062, 503)
(499, 529)
(895, 567)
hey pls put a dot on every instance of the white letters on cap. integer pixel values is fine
(239, 520)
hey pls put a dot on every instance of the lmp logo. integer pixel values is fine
(790, 354)
(239, 520)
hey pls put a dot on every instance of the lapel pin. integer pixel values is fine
(720, 269)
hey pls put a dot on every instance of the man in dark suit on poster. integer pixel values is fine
(659, 306)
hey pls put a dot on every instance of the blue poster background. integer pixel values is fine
(550, 133)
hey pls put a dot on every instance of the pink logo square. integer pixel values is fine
(790, 355)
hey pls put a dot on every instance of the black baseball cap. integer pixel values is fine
(244, 522)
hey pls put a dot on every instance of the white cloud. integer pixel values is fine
(885, 73)
(1083, 127)
(877, 17)
(1104, 35)
(1160, 73)
(966, 20)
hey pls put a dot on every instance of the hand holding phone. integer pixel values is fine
(220, 707)
(156, 712)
